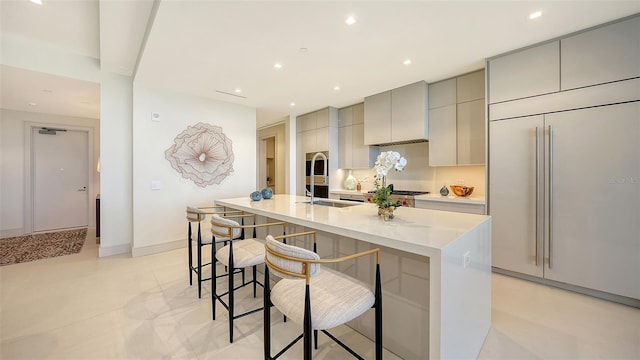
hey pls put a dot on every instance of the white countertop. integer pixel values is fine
(418, 231)
(479, 200)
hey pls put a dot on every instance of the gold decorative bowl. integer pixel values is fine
(460, 190)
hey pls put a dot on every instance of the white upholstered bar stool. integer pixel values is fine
(239, 253)
(318, 299)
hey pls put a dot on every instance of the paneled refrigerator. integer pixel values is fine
(565, 197)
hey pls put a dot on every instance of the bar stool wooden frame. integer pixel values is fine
(307, 326)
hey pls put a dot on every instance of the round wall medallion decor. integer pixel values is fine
(202, 153)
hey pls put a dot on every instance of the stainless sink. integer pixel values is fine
(329, 203)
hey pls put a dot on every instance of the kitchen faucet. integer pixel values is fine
(313, 177)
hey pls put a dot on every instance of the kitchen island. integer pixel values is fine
(435, 265)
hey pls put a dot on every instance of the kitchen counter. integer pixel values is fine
(452, 292)
(470, 205)
(347, 192)
(480, 200)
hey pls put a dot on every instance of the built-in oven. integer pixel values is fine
(321, 183)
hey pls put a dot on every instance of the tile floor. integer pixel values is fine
(82, 307)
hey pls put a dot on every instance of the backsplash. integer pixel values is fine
(461, 175)
(418, 175)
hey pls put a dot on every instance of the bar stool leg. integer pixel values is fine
(231, 297)
(199, 263)
(190, 247)
(214, 283)
(267, 315)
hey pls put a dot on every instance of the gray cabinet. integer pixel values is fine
(470, 87)
(353, 153)
(456, 121)
(442, 93)
(555, 214)
(377, 117)
(601, 55)
(409, 112)
(315, 130)
(470, 137)
(443, 140)
(529, 72)
(397, 115)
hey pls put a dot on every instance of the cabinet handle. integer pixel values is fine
(537, 192)
(550, 191)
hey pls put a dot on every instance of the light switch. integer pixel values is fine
(466, 259)
(156, 185)
(155, 116)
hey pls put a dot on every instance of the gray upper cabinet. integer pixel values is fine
(529, 72)
(456, 121)
(397, 115)
(353, 153)
(470, 87)
(442, 93)
(409, 112)
(443, 136)
(377, 112)
(601, 55)
(470, 132)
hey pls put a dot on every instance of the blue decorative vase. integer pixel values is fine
(256, 196)
(267, 193)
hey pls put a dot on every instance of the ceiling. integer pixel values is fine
(212, 48)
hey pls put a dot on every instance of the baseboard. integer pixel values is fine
(158, 248)
(578, 289)
(7, 233)
(104, 251)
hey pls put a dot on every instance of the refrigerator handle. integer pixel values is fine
(537, 192)
(550, 191)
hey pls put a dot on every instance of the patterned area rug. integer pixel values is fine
(40, 246)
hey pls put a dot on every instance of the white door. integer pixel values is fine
(594, 201)
(60, 179)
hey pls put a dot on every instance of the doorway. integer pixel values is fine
(270, 165)
(59, 178)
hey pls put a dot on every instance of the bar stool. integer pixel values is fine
(238, 254)
(318, 300)
(198, 215)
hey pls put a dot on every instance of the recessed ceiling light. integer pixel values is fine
(31, 103)
(303, 49)
(277, 66)
(407, 62)
(336, 88)
(48, 91)
(238, 90)
(292, 104)
(350, 20)
(39, 2)
(535, 15)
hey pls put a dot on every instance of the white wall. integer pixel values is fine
(116, 169)
(12, 164)
(159, 215)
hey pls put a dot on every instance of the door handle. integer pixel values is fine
(550, 192)
(84, 188)
(537, 192)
